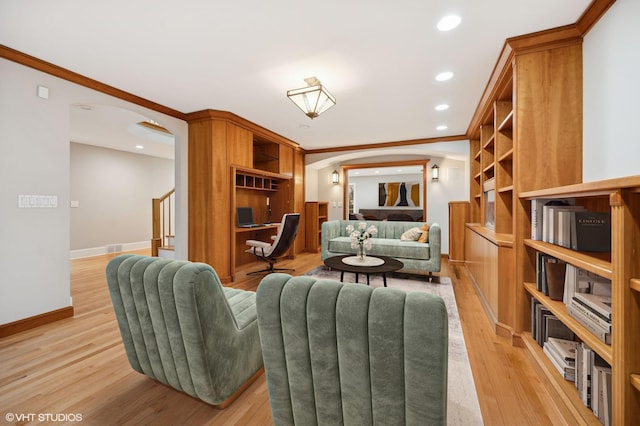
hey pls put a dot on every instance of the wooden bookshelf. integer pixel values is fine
(316, 213)
(526, 135)
(621, 266)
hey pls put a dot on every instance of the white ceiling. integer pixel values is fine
(378, 58)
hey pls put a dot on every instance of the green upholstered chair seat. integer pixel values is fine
(181, 327)
(339, 354)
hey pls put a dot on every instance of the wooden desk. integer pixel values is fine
(260, 233)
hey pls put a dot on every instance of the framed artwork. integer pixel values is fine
(394, 194)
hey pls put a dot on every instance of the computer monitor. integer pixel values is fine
(244, 216)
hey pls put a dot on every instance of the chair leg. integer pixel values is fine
(268, 270)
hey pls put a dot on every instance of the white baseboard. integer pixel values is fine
(99, 251)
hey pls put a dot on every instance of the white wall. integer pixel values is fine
(35, 160)
(113, 190)
(612, 94)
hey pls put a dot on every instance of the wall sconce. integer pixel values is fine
(335, 177)
(435, 173)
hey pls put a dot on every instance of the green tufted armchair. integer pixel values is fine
(339, 354)
(181, 327)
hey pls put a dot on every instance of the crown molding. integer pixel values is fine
(73, 77)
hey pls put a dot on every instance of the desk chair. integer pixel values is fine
(270, 252)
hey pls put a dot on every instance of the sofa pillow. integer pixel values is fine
(411, 234)
(424, 238)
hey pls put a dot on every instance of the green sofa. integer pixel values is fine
(181, 327)
(416, 256)
(348, 354)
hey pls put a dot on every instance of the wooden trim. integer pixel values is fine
(501, 240)
(224, 404)
(545, 40)
(527, 43)
(344, 169)
(500, 73)
(592, 15)
(387, 144)
(35, 321)
(256, 129)
(73, 77)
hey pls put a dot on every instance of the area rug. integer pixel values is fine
(462, 400)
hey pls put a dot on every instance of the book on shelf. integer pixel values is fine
(608, 396)
(537, 205)
(588, 323)
(597, 303)
(568, 372)
(590, 231)
(596, 320)
(578, 280)
(543, 273)
(565, 348)
(545, 325)
(591, 373)
(551, 223)
(599, 394)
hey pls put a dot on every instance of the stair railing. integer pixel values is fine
(162, 212)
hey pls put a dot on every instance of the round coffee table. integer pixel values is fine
(389, 265)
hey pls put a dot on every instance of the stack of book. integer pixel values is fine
(588, 300)
(562, 223)
(562, 354)
(593, 381)
(546, 325)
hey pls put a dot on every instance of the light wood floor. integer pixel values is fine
(78, 366)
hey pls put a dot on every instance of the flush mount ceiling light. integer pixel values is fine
(314, 99)
(442, 127)
(442, 107)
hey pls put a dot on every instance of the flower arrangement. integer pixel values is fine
(361, 237)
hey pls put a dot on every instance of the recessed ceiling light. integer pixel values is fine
(442, 107)
(442, 127)
(377, 171)
(399, 170)
(139, 147)
(449, 22)
(444, 76)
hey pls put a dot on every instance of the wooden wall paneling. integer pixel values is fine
(240, 145)
(506, 291)
(482, 263)
(547, 142)
(286, 165)
(458, 216)
(208, 190)
(548, 109)
(298, 197)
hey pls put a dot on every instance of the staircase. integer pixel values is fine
(163, 224)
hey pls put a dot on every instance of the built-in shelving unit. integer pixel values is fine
(316, 213)
(254, 179)
(233, 162)
(519, 143)
(620, 197)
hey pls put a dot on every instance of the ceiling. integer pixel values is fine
(378, 58)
